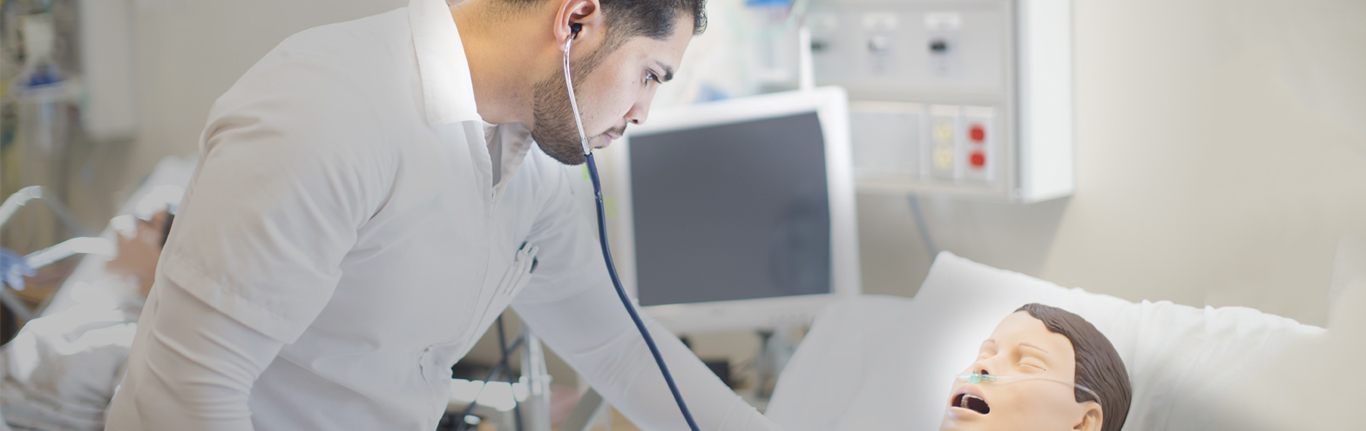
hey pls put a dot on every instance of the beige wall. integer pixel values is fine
(189, 52)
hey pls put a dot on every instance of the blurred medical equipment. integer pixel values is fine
(602, 238)
(770, 34)
(1183, 361)
(35, 193)
(106, 40)
(978, 378)
(970, 97)
(78, 51)
(82, 244)
(65, 83)
(738, 214)
(472, 393)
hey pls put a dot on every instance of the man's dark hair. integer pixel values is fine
(1099, 367)
(630, 18)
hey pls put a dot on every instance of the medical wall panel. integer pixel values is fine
(961, 97)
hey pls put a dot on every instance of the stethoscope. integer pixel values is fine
(602, 237)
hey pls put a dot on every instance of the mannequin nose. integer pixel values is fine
(981, 367)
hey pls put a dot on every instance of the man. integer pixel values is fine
(369, 198)
(60, 371)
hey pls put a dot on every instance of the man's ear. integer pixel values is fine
(586, 13)
(1091, 418)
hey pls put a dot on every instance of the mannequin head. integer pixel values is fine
(1061, 349)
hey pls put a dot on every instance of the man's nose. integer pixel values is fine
(641, 109)
(638, 113)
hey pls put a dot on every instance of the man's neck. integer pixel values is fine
(502, 52)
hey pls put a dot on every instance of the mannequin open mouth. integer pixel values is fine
(971, 402)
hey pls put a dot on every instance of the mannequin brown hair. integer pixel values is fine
(1099, 366)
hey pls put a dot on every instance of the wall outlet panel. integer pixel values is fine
(965, 97)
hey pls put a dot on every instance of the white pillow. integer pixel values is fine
(879, 363)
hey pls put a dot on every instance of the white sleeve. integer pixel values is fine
(286, 178)
(284, 182)
(192, 370)
(571, 304)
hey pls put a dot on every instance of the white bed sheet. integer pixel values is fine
(887, 363)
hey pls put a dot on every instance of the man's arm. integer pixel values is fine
(571, 304)
(593, 333)
(195, 368)
(289, 170)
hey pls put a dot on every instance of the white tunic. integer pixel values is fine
(345, 208)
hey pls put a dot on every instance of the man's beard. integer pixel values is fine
(555, 130)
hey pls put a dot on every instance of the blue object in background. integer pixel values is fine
(47, 74)
(13, 269)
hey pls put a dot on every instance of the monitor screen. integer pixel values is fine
(731, 211)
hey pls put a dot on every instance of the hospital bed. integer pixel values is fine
(887, 363)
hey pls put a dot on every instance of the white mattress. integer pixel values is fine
(883, 363)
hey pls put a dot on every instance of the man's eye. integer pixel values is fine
(1033, 365)
(651, 76)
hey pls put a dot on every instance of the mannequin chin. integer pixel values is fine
(1044, 346)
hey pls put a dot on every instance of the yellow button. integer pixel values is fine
(943, 132)
(943, 158)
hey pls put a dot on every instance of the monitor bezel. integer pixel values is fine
(831, 107)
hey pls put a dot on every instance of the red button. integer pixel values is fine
(978, 159)
(977, 133)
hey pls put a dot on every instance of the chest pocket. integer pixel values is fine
(436, 361)
(514, 279)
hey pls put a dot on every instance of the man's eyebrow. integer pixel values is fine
(668, 71)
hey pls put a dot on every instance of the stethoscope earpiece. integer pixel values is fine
(574, 30)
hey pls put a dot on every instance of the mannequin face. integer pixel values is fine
(1021, 346)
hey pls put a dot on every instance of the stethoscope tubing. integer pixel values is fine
(606, 251)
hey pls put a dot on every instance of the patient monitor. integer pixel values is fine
(738, 214)
(1042, 368)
